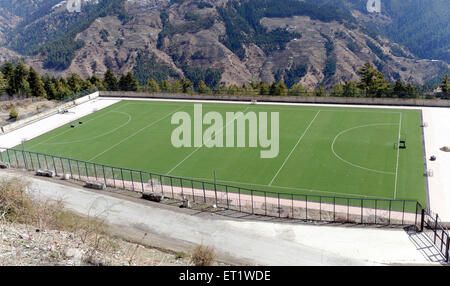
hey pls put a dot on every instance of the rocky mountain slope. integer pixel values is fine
(226, 41)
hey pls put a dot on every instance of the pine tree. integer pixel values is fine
(176, 87)
(18, 83)
(50, 88)
(202, 88)
(152, 85)
(8, 70)
(399, 89)
(75, 83)
(320, 91)
(36, 84)
(128, 82)
(165, 86)
(264, 89)
(337, 90)
(187, 85)
(351, 89)
(95, 81)
(372, 81)
(110, 81)
(3, 83)
(297, 90)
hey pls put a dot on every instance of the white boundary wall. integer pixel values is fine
(43, 124)
(23, 122)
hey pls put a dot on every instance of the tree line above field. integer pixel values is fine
(18, 79)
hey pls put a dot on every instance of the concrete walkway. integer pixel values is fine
(237, 240)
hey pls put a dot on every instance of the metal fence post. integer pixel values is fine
(54, 165)
(292, 202)
(435, 228)
(362, 215)
(78, 168)
(240, 206)
(265, 203)
(376, 204)
(142, 182)
(70, 169)
(95, 171)
(279, 205)
(104, 174)
(228, 201)
(193, 193)
(9, 157)
(447, 249)
(390, 208)
(204, 192)
(46, 162)
(123, 181)
(31, 160)
(162, 185)
(251, 195)
(306, 209)
(182, 191)
(17, 160)
(24, 160)
(403, 213)
(39, 161)
(114, 177)
(87, 172)
(320, 208)
(422, 220)
(334, 209)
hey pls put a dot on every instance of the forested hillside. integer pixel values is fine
(312, 42)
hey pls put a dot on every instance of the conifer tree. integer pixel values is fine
(110, 81)
(36, 84)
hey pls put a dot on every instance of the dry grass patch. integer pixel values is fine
(203, 256)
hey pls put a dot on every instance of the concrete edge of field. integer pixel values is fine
(238, 241)
(436, 135)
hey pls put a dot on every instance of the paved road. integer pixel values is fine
(236, 241)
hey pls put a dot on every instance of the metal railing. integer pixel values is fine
(431, 226)
(245, 200)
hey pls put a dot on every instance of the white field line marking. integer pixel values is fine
(64, 132)
(198, 148)
(289, 155)
(98, 136)
(398, 153)
(134, 134)
(291, 188)
(355, 165)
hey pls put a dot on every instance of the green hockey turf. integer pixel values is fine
(334, 151)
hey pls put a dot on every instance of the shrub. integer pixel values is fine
(203, 256)
(13, 113)
(15, 203)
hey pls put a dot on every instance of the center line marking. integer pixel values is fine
(289, 155)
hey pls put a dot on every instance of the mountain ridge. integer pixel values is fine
(227, 41)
